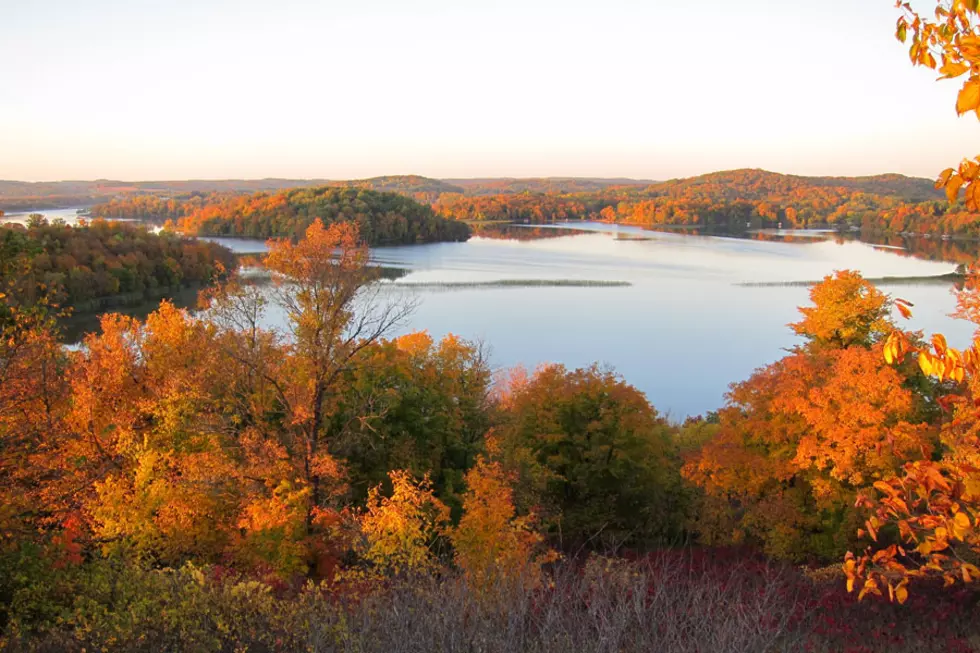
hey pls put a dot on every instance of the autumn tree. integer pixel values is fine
(492, 543)
(32, 412)
(847, 310)
(593, 457)
(401, 530)
(415, 404)
(924, 520)
(335, 311)
(802, 436)
(146, 419)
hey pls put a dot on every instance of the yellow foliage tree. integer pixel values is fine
(400, 530)
(492, 543)
(847, 310)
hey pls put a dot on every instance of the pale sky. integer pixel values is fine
(176, 89)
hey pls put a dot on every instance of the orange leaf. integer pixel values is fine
(969, 97)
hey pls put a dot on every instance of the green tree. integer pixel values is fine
(593, 455)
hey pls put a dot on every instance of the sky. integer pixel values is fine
(177, 89)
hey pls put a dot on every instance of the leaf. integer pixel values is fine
(939, 344)
(973, 196)
(944, 178)
(902, 32)
(961, 525)
(926, 363)
(953, 187)
(953, 69)
(904, 310)
(901, 594)
(969, 97)
(889, 352)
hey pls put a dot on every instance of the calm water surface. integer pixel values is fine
(685, 327)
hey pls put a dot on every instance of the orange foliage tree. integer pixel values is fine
(802, 436)
(335, 313)
(491, 542)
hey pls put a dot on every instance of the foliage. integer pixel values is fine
(492, 543)
(595, 460)
(674, 602)
(923, 521)
(401, 530)
(85, 266)
(413, 404)
(381, 218)
(847, 311)
(799, 439)
(152, 207)
(950, 44)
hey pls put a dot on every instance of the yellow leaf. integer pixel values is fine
(973, 196)
(968, 170)
(969, 97)
(953, 187)
(901, 594)
(961, 524)
(925, 363)
(970, 572)
(944, 177)
(939, 344)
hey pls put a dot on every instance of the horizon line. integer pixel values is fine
(451, 178)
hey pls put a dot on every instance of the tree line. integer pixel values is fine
(94, 264)
(382, 218)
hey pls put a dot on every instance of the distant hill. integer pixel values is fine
(726, 200)
(26, 196)
(730, 201)
(738, 200)
(507, 185)
(746, 184)
(402, 184)
(752, 184)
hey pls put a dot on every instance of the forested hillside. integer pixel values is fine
(740, 199)
(733, 201)
(729, 201)
(382, 218)
(101, 264)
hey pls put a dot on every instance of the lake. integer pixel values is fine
(678, 316)
(70, 216)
